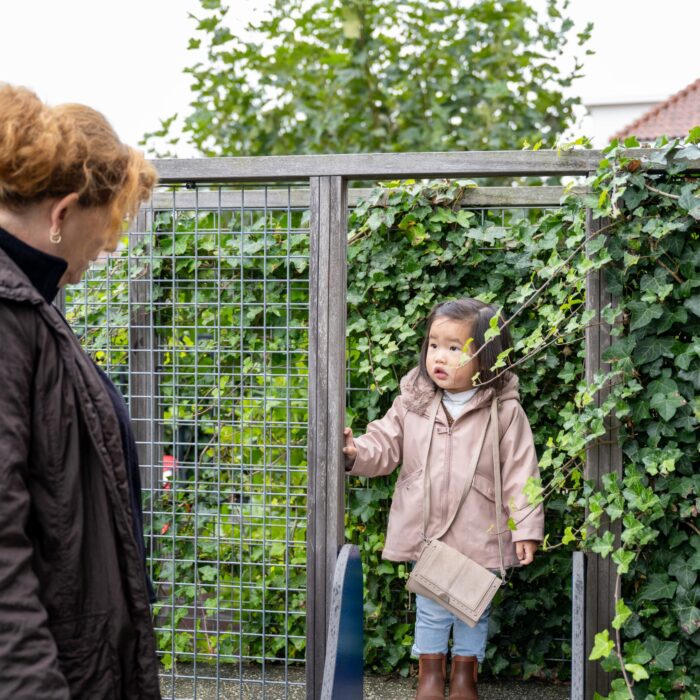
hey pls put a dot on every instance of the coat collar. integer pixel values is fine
(44, 271)
(417, 392)
(14, 283)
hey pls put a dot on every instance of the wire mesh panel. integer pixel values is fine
(202, 322)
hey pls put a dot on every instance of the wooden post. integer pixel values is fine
(602, 457)
(578, 626)
(142, 368)
(327, 291)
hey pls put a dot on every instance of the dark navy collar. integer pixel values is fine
(43, 270)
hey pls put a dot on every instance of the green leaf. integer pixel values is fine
(604, 545)
(568, 536)
(682, 570)
(643, 314)
(693, 304)
(650, 349)
(659, 587)
(635, 652)
(602, 646)
(666, 404)
(638, 672)
(622, 614)
(663, 653)
(690, 202)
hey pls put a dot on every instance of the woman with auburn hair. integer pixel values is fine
(75, 618)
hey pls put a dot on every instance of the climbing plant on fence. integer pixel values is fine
(654, 246)
(414, 246)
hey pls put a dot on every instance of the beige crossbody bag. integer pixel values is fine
(442, 573)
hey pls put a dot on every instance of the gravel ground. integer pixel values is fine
(229, 686)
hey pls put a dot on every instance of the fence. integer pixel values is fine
(224, 324)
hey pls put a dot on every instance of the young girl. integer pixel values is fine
(455, 331)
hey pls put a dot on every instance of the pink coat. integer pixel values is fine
(400, 437)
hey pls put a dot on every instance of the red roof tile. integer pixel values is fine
(673, 118)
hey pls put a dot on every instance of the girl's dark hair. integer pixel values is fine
(478, 315)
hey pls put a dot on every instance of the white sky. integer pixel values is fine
(126, 57)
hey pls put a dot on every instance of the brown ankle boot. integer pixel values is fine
(463, 678)
(431, 677)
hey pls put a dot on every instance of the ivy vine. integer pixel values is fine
(413, 244)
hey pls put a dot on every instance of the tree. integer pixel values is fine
(320, 76)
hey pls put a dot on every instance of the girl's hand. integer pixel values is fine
(350, 451)
(526, 551)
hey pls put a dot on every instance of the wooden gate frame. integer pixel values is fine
(328, 177)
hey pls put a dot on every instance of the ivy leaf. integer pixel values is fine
(636, 653)
(693, 304)
(638, 672)
(659, 587)
(689, 619)
(652, 348)
(690, 202)
(643, 314)
(618, 690)
(622, 614)
(375, 220)
(667, 404)
(663, 653)
(533, 490)
(682, 570)
(602, 646)
(623, 558)
(568, 536)
(604, 545)
(464, 218)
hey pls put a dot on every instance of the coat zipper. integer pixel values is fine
(445, 499)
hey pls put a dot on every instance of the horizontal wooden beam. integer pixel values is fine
(389, 166)
(298, 198)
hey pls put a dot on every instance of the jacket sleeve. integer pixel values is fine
(380, 449)
(28, 656)
(518, 464)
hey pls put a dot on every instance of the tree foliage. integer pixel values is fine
(376, 76)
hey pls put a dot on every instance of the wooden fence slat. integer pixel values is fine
(603, 456)
(298, 198)
(325, 534)
(388, 166)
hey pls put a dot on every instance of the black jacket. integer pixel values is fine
(75, 620)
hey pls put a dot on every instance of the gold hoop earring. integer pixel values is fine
(55, 236)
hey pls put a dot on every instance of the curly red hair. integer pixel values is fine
(54, 151)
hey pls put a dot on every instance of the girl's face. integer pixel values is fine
(449, 350)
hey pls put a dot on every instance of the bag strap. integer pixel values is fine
(493, 420)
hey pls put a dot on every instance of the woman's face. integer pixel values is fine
(85, 234)
(448, 357)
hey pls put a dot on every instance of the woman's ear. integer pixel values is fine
(60, 209)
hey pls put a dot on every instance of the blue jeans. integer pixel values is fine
(433, 624)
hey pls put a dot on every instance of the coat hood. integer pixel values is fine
(417, 392)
